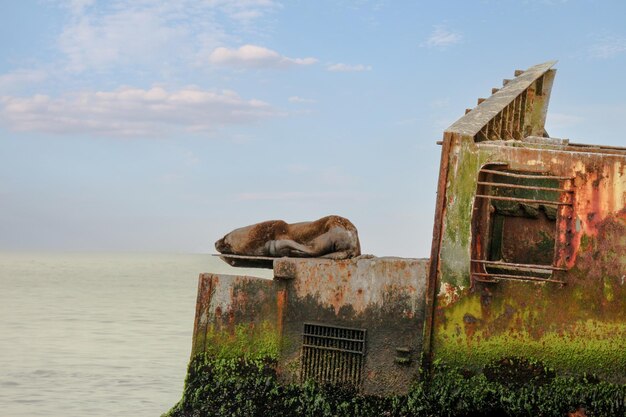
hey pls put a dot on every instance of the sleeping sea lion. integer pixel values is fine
(331, 237)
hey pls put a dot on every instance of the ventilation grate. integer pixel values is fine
(332, 354)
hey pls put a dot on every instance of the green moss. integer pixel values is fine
(455, 249)
(240, 387)
(585, 242)
(609, 295)
(592, 347)
(244, 340)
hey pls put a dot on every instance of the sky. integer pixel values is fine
(159, 126)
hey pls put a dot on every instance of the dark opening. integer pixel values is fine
(515, 224)
(524, 234)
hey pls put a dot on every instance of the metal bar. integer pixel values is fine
(333, 337)
(433, 269)
(513, 265)
(599, 147)
(525, 187)
(504, 119)
(511, 122)
(356, 352)
(361, 332)
(516, 118)
(534, 177)
(522, 112)
(525, 200)
(497, 123)
(515, 277)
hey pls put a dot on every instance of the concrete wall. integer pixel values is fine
(385, 296)
(246, 316)
(237, 316)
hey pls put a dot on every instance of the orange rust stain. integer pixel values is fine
(598, 195)
(359, 300)
(338, 300)
(231, 322)
(281, 300)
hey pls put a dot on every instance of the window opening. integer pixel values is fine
(515, 224)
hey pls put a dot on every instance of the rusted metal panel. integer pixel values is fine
(573, 315)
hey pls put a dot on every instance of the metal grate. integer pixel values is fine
(332, 354)
(562, 196)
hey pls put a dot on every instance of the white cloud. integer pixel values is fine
(128, 33)
(252, 56)
(77, 6)
(441, 37)
(296, 99)
(348, 68)
(132, 111)
(21, 77)
(245, 10)
(133, 36)
(608, 47)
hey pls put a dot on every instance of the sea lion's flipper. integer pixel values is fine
(286, 247)
(344, 254)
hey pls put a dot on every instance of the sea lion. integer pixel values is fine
(331, 237)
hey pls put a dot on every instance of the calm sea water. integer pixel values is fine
(96, 334)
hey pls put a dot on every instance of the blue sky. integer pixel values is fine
(159, 126)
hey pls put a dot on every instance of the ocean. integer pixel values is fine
(97, 334)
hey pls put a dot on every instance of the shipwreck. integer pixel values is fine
(528, 259)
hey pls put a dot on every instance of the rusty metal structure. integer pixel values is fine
(529, 243)
(528, 259)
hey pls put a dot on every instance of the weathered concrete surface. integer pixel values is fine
(385, 296)
(237, 316)
(246, 316)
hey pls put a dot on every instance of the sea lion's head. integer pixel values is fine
(223, 245)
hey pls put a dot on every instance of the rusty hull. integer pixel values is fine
(575, 319)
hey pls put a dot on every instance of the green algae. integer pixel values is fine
(244, 340)
(591, 348)
(455, 245)
(241, 387)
